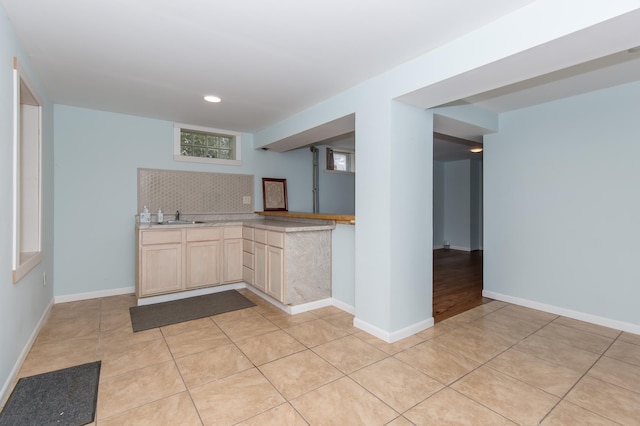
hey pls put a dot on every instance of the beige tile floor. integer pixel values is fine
(496, 364)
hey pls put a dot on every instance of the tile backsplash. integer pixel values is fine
(194, 192)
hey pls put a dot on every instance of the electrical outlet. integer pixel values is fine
(44, 279)
(246, 199)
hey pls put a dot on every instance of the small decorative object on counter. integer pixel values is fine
(145, 216)
(159, 216)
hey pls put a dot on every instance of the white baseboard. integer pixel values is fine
(305, 307)
(581, 316)
(343, 306)
(23, 355)
(189, 293)
(269, 299)
(94, 294)
(292, 309)
(391, 337)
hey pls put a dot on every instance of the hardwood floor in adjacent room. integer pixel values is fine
(457, 282)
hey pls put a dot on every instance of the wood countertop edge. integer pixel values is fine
(339, 218)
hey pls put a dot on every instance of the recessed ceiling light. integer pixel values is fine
(213, 99)
(476, 150)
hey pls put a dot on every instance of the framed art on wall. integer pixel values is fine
(274, 194)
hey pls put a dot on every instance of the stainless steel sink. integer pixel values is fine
(180, 222)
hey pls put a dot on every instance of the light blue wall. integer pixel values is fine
(337, 190)
(411, 210)
(562, 202)
(460, 204)
(457, 204)
(393, 235)
(343, 265)
(476, 205)
(97, 157)
(22, 305)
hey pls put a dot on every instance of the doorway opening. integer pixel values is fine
(457, 226)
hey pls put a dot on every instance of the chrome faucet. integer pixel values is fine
(177, 214)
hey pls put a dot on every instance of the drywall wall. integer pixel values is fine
(23, 304)
(561, 205)
(97, 157)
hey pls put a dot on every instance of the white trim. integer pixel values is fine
(305, 307)
(189, 293)
(16, 170)
(206, 160)
(391, 337)
(269, 299)
(25, 351)
(21, 267)
(581, 316)
(341, 172)
(94, 294)
(343, 306)
(237, 149)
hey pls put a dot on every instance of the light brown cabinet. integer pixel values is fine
(160, 263)
(268, 263)
(275, 273)
(161, 269)
(232, 266)
(203, 257)
(248, 258)
(179, 259)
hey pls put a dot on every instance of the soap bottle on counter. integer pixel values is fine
(159, 216)
(145, 216)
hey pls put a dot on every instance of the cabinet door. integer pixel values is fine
(232, 269)
(275, 273)
(203, 263)
(247, 275)
(160, 269)
(260, 266)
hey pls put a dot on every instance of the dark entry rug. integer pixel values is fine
(61, 397)
(166, 313)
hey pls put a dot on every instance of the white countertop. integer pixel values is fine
(269, 224)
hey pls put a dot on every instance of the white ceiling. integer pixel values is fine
(266, 60)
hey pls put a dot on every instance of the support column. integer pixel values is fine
(394, 187)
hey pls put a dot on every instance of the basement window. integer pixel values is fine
(206, 145)
(341, 161)
(27, 175)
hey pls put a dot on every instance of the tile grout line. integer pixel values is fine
(582, 377)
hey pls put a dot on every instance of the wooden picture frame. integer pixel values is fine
(274, 194)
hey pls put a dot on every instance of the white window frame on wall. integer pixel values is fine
(177, 155)
(351, 160)
(27, 175)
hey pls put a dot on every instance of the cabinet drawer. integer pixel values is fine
(247, 259)
(260, 236)
(247, 233)
(233, 232)
(247, 246)
(275, 239)
(161, 237)
(203, 234)
(247, 275)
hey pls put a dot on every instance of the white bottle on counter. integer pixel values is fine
(159, 216)
(145, 216)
